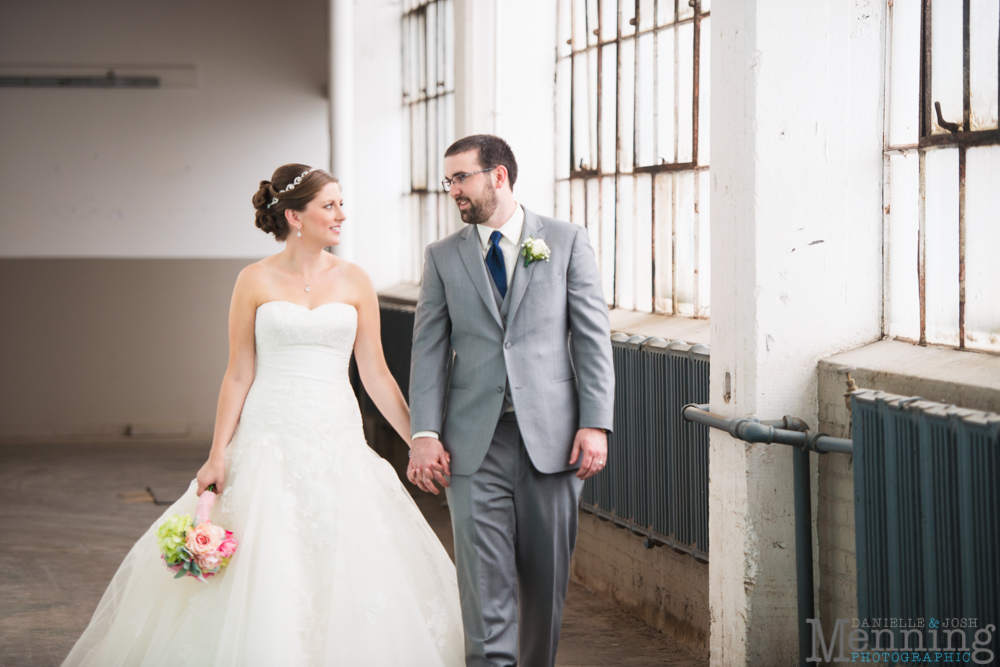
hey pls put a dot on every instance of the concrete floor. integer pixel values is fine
(70, 511)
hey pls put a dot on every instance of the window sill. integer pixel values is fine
(964, 378)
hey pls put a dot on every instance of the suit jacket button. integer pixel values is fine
(499, 390)
(508, 345)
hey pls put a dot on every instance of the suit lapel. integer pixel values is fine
(472, 255)
(522, 275)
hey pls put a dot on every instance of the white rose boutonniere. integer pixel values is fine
(534, 249)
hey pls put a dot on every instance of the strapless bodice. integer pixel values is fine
(296, 343)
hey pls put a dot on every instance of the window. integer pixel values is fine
(942, 166)
(429, 102)
(632, 80)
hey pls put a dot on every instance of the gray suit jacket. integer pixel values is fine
(555, 347)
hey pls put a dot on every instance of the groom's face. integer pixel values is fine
(476, 197)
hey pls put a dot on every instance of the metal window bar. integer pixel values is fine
(597, 163)
(936, 131)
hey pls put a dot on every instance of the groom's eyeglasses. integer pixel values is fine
(460, 178)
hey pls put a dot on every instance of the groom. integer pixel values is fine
(511, 398)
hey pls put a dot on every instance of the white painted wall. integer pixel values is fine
(165, 172)
(796, 275)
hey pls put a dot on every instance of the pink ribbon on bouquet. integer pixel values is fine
(205, 502)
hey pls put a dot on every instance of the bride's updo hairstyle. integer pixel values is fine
(288, 189)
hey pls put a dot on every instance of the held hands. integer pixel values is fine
(428, 463)
(592, 445)
(213, 472)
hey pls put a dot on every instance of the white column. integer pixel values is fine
(342, 107)
(796, 265)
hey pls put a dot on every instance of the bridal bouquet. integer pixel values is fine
(195, 548)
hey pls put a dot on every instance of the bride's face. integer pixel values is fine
(323, 216)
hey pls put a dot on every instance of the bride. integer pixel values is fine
(336, 565)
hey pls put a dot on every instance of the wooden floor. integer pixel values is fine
(70, 511)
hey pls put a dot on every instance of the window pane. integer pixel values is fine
(643, 255)
(982, 240)
(564, 41)
(627, 21)
(448, 7)
(594, 215)
(684, 239)
(706, 6)
(579, 24)
(647, 15)
(609, 19)
(665, 87)
(581, 112)
(704, 243)
(593, 19)
(626, 105)
(609, 101)
(704, 90)
(644, 141)
(433, 40)
(664, 205)
(946, 68)
(608, 237)
(685, 90)
(448, 104)
(562, 200)
(941, 227)
(564, 89)
(903, 230)
(433, 180)
(984, 27)
(578, 202)
(418, 146)
(684, 10)
(421, 55)
(624, 246)
(664, 12)
(904, 74)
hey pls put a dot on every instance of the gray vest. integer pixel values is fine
(503, 303)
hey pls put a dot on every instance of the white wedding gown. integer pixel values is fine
(335, 566)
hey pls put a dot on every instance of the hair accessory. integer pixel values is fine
(290, 186)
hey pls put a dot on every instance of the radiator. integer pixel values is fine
(656, 480)
(927, 513)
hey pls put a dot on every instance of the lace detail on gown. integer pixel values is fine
(336, 564)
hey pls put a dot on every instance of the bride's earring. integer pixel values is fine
(300, 233)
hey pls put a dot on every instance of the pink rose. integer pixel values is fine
(204, 539)
(228, 546)
(207, 562)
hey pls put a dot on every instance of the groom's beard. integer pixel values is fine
(479, 211)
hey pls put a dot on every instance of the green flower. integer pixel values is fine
(170, 538)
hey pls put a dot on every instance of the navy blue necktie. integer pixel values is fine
(494, 262)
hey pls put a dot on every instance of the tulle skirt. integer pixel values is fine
(336, 565)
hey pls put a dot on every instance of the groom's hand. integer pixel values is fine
(592, 445)
(428, 463)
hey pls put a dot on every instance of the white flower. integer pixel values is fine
(535, 249)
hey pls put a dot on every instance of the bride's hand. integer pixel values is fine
(213, 472)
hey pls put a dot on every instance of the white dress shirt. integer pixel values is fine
(510, 247)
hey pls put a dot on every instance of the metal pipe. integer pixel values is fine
(752, 430)
(795, 432)
(803, 549)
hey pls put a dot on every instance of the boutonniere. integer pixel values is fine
(534, 249)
